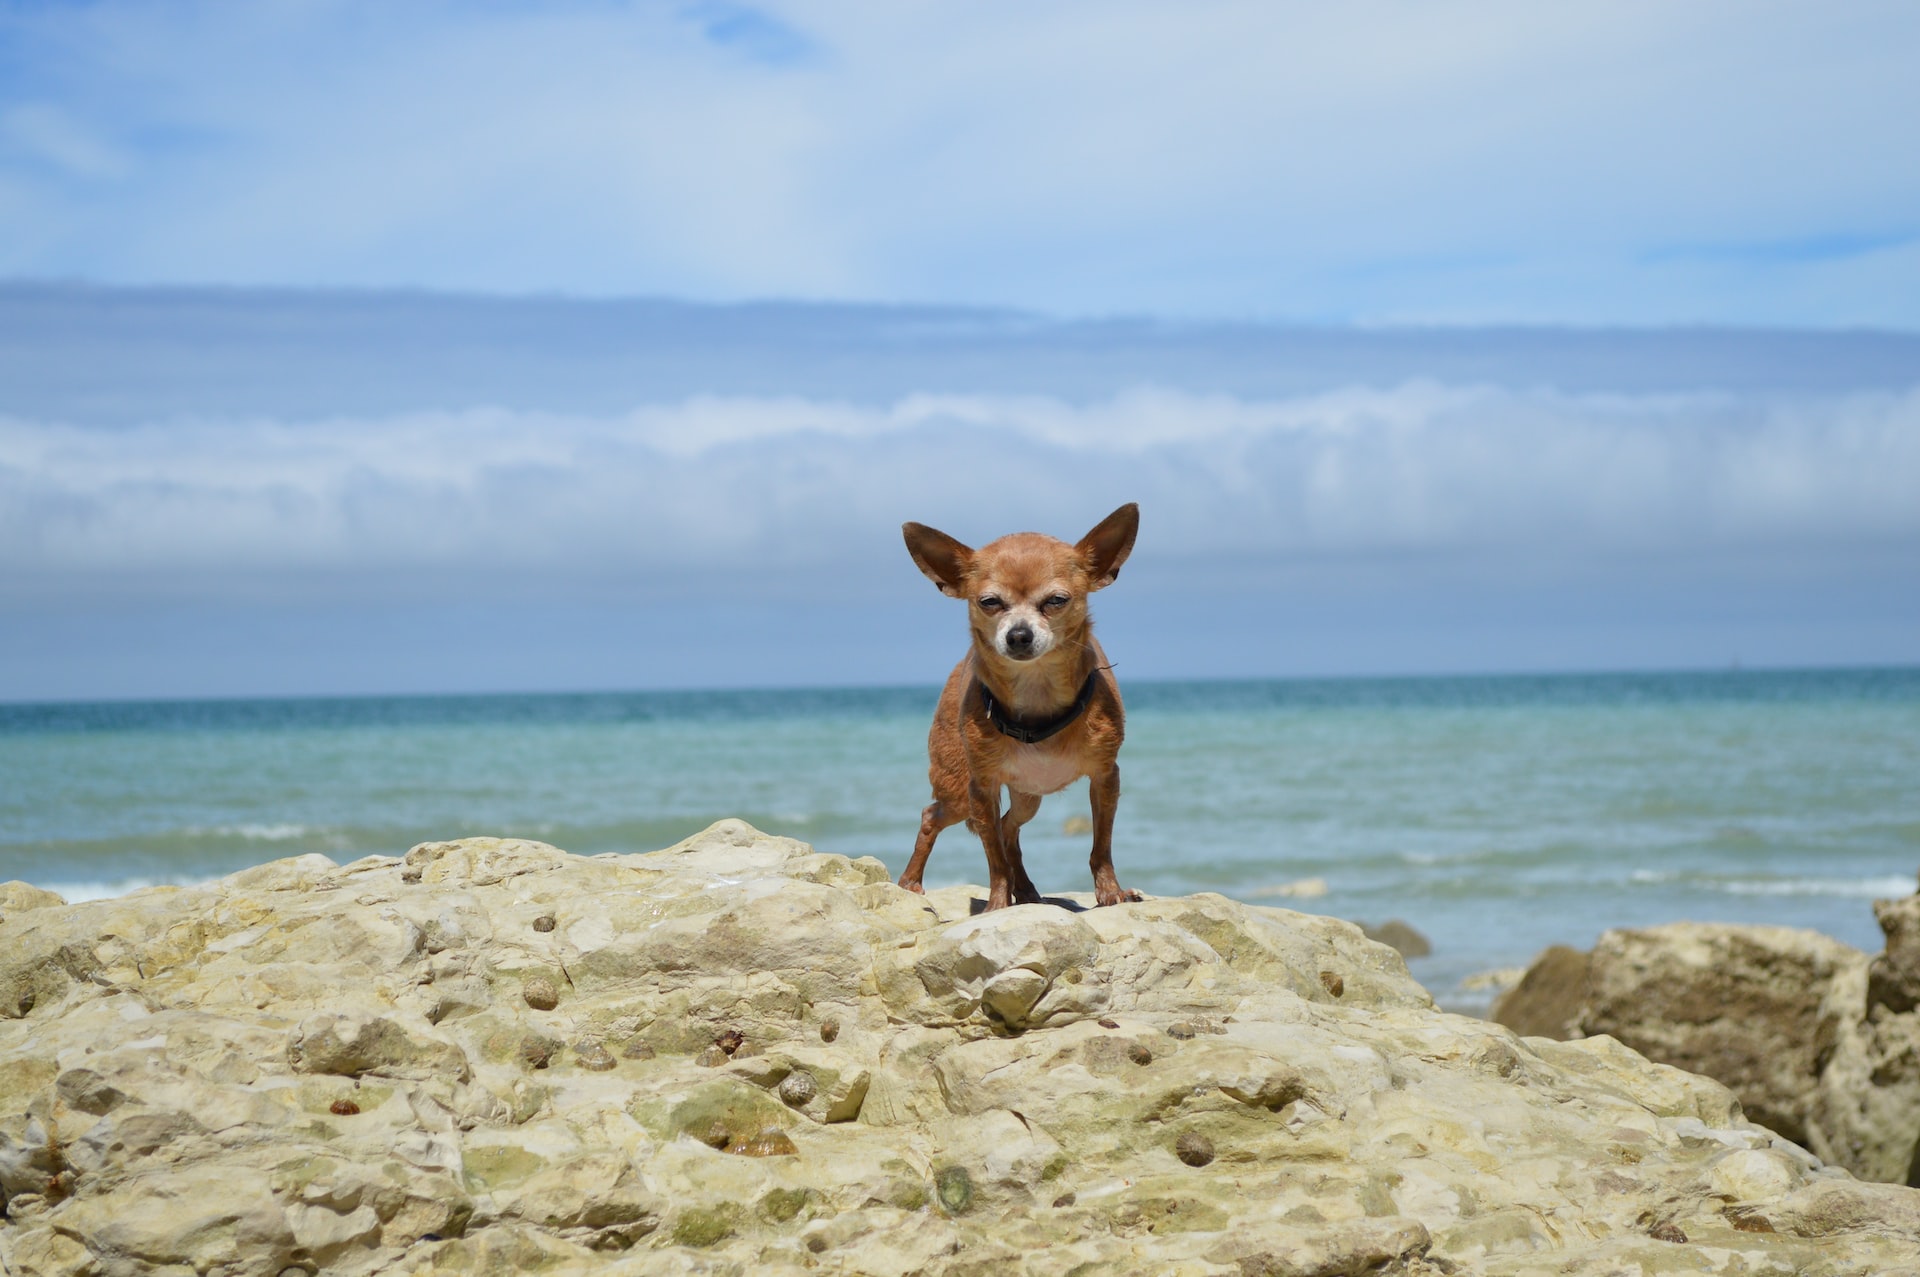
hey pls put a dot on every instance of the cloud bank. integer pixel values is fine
(710, 492)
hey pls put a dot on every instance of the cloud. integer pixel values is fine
(744, 496)
(1498, 161)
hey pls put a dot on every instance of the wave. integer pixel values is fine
(1871, 888)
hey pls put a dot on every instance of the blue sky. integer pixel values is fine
(1730, 162)
(1492, 336)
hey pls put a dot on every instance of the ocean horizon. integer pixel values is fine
(1496, 814)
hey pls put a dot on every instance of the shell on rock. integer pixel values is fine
(543, 923)
(829, 1030)
(594, 1056)
(798, 1088)
(713, 1057)
(637, 1048)
(1193, 1148)
(730, 1040)
(536, 1052)
(540, 993)
(343, 1108)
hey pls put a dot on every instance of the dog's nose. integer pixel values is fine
(1020, 637)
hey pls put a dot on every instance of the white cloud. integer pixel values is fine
(734, 489)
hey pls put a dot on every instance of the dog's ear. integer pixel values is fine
(1108, 545)
(945, 561)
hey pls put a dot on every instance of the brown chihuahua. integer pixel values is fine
(1033, 706)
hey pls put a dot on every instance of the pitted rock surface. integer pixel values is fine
(336, 1068)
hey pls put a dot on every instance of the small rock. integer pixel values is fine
(768, 1143)
(343, 1108)
(1667, 1231)
(540, 993)
(798, 1088)
(1180, 1029)
(712, 1058)
(1401, 936)
(637, 1048)
(1193, 1148)
(1109, 1024)
(1332, 982)
(594, 1056)
(543, 923)
(1065, 1199)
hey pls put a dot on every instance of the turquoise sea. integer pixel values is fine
(1496, 814)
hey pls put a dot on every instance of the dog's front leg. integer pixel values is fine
(985, 801)
(1105, 792)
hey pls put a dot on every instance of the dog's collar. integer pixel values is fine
(1029, 731)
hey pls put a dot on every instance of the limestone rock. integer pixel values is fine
(1820, 1044)
(334, 1068)
(1549, 999)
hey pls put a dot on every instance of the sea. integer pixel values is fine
(1495, 815)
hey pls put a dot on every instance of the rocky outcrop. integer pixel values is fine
(742, 1056)
(1820, 1043)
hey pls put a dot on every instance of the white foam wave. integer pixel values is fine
(1875, 888)
(76, 892)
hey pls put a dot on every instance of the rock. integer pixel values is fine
(1893, 977)
(1549, 998)
(1808, 1032)
(309, 1067)
(1399, 936)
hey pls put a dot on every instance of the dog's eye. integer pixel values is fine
(991, 603)
(1055, 602)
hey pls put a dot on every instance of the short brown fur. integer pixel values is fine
(1028, 576)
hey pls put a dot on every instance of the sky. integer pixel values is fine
(463, 347)
(1626, 162)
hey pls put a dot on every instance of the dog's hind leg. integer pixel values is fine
(1105, 792)
(937, 816)
(1019, 811)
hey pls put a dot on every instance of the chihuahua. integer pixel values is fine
(1033, 706)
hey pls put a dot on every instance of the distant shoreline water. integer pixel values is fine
(1496, 813)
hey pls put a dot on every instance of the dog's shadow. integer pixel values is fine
(978, 905)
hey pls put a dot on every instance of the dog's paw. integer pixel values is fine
(913, 886)
(1118, 896)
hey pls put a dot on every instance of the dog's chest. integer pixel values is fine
(1034, 769)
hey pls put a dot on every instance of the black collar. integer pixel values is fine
(1029, 731)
